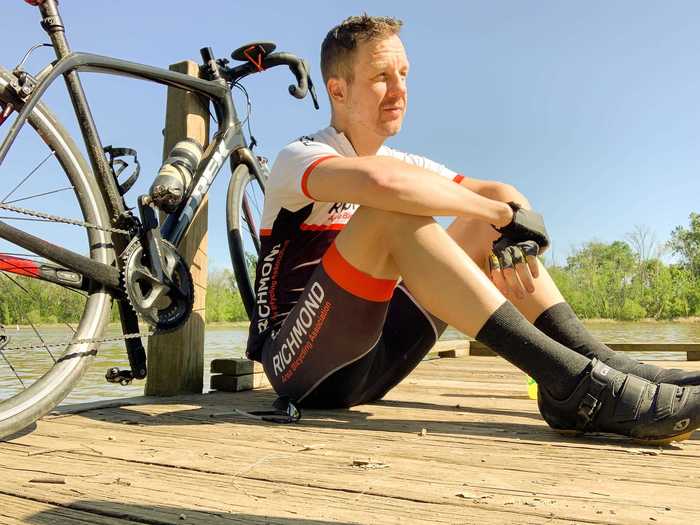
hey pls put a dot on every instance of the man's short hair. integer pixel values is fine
(339, 46)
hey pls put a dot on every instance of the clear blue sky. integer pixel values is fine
(591, 109)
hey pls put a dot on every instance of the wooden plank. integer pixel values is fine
(21, 510)
(176, 360)
(235, 367)
(450, 349)
(485, 457)
(480, 349)
(495, 451)
(654, 347)
(692, 350)
(227, 383)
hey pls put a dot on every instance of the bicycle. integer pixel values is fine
(126, 257)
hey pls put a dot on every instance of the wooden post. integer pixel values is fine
(176, 360)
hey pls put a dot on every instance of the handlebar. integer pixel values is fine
(297, 66)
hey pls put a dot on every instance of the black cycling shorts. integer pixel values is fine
(349, 339)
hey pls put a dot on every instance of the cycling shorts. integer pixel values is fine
(349, 339)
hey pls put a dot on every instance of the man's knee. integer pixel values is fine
(367, 240)
(386, 221)
(500, 191)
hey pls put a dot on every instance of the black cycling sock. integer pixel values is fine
(551, 364)
(561, 324)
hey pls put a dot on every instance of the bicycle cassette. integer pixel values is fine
(162, 306)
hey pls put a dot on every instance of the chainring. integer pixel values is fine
(164, 307)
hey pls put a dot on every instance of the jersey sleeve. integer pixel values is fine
(423, 162)
(293, 166)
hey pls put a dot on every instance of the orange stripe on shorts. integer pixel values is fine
(355, 281)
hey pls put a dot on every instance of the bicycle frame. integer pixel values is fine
(227, 141)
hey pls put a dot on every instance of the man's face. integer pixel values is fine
(376, 97)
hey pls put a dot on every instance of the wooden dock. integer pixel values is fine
(457, 442)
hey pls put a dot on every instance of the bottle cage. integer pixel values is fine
(118, 166)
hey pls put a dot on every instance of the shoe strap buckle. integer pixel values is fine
(587, 409)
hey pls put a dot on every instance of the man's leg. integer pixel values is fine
(547, 309)
(375, 248)
(447, 283)
(575, 392)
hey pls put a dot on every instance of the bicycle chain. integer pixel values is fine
(62, 220)
(79, 341)
(73, 222)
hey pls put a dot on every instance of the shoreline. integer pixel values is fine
(224, 325)
(679, 320)
(221, 325)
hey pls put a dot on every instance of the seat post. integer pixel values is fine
(51, 23)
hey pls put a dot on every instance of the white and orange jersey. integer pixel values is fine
(296, 230)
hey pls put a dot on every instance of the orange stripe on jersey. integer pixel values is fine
(355, 281)
(305, 176)
(264, 232)
(322, 227)
(458, 178)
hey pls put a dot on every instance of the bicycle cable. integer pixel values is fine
(249, 112)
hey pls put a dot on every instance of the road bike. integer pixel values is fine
(124, 254)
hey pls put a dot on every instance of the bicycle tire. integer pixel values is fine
(244, 239)
(22, 409)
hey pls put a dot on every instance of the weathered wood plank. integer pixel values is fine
(226, 383)
(483, 440)
(19, 510)
(691, 349)
(176, 359)
(235, 367)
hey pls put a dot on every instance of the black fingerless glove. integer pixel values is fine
(527, 225)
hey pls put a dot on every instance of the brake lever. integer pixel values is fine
(310, 83)
(312, 90)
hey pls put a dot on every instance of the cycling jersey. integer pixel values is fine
(297, 230)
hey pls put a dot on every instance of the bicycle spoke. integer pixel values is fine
(51, 154)
(14, 371)
(39, 195)
(30, 294)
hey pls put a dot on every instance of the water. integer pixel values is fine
(229, 341)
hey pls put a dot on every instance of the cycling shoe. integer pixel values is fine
(608, 400)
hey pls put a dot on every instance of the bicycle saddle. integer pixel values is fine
(252, 51)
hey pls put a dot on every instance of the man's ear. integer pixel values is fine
(337, 89)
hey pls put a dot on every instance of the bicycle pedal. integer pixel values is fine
(115, 375)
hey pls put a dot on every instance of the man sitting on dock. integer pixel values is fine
(357, 281)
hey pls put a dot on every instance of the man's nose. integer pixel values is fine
(397, 86)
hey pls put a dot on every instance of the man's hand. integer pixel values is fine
(514, 266)
(527, 225)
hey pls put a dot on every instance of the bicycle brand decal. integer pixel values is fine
(257, 63)
(208, 175)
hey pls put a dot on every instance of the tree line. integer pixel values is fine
(626, 280)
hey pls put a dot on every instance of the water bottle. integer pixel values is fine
(175, 175)
(531, 388)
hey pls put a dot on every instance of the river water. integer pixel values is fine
(227, 342)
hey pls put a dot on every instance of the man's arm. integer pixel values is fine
(391, 184)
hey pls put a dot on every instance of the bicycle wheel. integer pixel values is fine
(244, 205)
(45, 171)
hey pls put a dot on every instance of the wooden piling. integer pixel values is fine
(176, 360)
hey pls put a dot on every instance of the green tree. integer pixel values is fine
(600, 277)
(685, 243)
